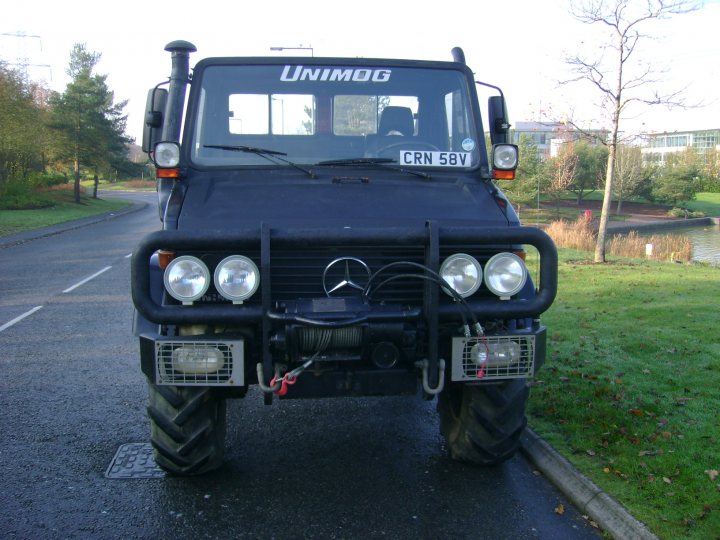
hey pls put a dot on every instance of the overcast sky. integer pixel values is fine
(519, 45)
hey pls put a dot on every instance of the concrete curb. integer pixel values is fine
(52, 230)
(609, 514)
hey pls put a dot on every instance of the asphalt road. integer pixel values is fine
(71, 393)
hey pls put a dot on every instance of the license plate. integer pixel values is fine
(435, 159)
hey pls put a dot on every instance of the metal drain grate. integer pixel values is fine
(134, 460)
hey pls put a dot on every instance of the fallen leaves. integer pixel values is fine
(560, 509)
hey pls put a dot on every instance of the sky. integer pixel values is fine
(518, 45)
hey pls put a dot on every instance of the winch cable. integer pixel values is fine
(290, 377)
(318, 339)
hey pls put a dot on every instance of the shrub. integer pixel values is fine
(580, 236)
(684, 213)
(670, 247)
(18, 195)
(43, 180)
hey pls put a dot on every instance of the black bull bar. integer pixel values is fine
(264, 237)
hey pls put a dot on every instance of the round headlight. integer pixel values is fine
(167, 154)
(505, 274)
(186, 278)
(237, 278)
(505, 156)
(463, 273)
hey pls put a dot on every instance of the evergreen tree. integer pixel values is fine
(90, 127)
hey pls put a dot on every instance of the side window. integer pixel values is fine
(249, 114)
(457, 119)
(277, 114)
(292, 114)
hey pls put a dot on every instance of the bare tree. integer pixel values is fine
(622, 78)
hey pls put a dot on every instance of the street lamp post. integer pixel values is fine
(301, 48)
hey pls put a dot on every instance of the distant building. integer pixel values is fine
(656, 147)
(548, 137)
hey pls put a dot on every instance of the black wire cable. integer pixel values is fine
(432, 278)
(438, 280)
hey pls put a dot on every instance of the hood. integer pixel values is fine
(234, 203)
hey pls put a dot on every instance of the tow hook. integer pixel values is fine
(279, 385)
(424, 365)
(275, 385)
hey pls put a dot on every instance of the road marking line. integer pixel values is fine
(128, 255)
(20, 318)
(84, 281)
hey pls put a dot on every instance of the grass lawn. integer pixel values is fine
(547, 214)
(121, 185)
(65, 209)
(630, 392)
(708, 203)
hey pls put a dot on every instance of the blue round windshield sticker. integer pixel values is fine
(468, 145)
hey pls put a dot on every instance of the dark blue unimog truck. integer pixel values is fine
(331, 227)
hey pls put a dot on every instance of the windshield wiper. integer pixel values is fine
(273, 156)
(380, 162)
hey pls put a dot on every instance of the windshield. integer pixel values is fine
(416, 117)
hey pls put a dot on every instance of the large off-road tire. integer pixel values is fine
(187, 428)
(483, 424)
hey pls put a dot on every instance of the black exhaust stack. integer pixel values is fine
(179, 78)
(458, 55)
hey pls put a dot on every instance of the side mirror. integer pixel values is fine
(499, 123)
(154, 113)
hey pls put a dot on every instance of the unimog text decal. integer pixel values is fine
(302, 73)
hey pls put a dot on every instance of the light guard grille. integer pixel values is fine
(465, 369)
(232, 372)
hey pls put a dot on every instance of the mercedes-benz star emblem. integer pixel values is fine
(345, 273)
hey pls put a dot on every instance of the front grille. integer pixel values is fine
(170, 355)
(297, 273)
(466, 368)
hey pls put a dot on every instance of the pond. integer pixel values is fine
(705, 241)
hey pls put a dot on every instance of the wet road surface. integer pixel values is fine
(71, 393)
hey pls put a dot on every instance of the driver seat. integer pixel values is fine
(395, 122)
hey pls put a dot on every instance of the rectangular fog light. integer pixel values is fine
(186, 362)
(493, 357)
(197, 360)
(503, 353)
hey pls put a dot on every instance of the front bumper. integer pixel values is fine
(266, 239)
(159, 355)
(428, 310)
